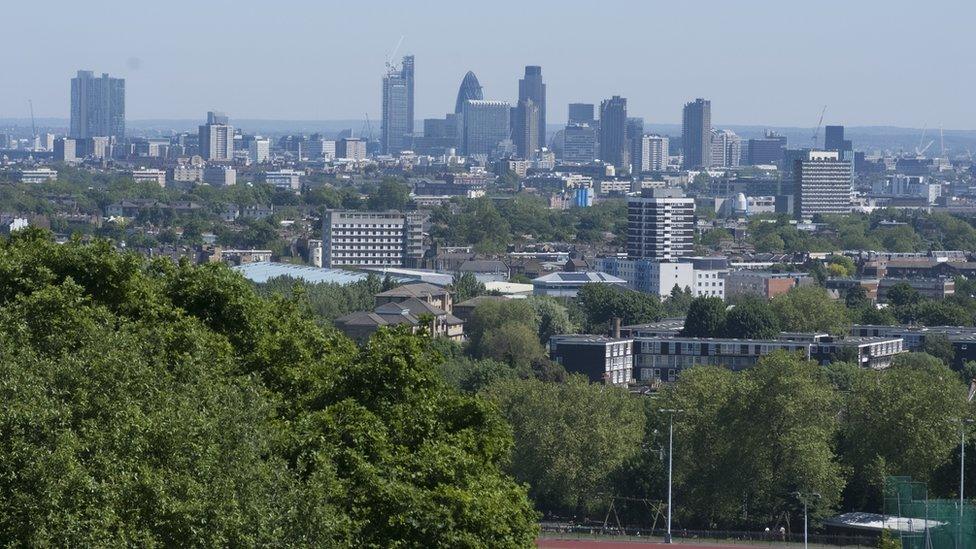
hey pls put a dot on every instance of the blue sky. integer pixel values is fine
(760, 62)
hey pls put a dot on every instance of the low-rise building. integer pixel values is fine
(284, 179)
(428, 293)
(413, 312)
(220, 176)
(763, 283)
(569, 284)
(149, 175)
(600, 358)
(37, 175)
(931, 288)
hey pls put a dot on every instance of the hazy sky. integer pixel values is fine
(887, 62)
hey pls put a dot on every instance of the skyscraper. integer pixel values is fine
(97, 106)
(484, 124)
(768, 150)
(397, 123)
(470, 89)
(635, 134)
(531, 88)
(581, 113)
(696, 133)
(217, 138)
(613, 132)
(822, 184)
(526, 130)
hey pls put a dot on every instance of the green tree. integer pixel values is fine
(150, 403)
(553, 318)
(678, 301)
(514, 343)
(706, 318)
(897, 424)
(602, 302)
(390, 194)
(751, 318)
(465, 286)
(902, 294)
(569, 439)
(857, 298)
(810, 309)
(940, 347)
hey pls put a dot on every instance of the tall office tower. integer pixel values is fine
(613, 132)
(696, 133)
(470, 90)
(726, 148)
(654, 153)
(484, 124)
(581, 113)
(532, 88)
(635, 134)
(768, 150)
(397, 123)
(526, 129)
(579, 143)
(217, 138)
(259, 150)
(834, 141)
(97, 106)
(660, 225)
(376, 239)
(822, 184)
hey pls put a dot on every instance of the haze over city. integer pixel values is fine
(760, 62)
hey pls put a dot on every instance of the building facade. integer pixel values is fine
(613, 132)
(484, 125)
(602, 359)
(97, 106)
(217, 138)
(579, 143)
(696, 133)
(530, 123)
(397, 122)
(654, 153)
(373, 239)
(660, 225)
(823, 184)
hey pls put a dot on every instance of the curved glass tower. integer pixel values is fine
(470, 89)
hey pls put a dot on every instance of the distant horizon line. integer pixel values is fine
(359, 121)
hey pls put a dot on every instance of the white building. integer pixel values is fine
(660, 225)
(38, 175)
(217, 138)
(259, 150)
(149, 175)
(823, 184)
(285, 179)
(726, 149)
(649, 275)
(655, 153)
(372, 239)
(315, 252)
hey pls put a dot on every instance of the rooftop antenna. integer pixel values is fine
(389, 60)
(816, 132)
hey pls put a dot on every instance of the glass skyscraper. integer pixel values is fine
(397, 123)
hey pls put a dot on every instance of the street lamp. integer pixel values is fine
(805, 500)
(670, 412)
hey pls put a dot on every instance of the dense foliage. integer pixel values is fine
(151, 404)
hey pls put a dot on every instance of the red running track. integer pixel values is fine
(612, 544)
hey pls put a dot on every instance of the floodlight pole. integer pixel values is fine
(671, 412)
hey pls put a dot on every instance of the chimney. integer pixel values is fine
(616, 327)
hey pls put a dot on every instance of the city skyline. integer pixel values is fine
(176, 82)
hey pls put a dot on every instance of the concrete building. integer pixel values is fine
(580, 144)
(929, 288)
(66, 149)
(660, 225)
(726, 149)
(654, 153)
(650, 275)
(763, 283)
(37, 175)
(286, 178)
(822, 184)
(484, 125)
(709, 275)
(259, 150)
(220, 176)
(149, 175)
(217, 138)
(351, 148)
(601, 359)
(97, 106)
(373, 239)
(613, 133)
(696, 133)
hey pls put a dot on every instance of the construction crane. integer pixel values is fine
(389, 60)
(922, 147)
(367, 131)
(816, 132)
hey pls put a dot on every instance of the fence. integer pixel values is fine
(580, 532)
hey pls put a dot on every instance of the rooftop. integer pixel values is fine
(262, 271)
